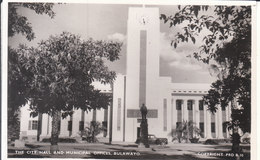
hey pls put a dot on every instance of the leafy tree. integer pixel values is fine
(63, 69)
(20, 24)
(18, 84)
(227, 44)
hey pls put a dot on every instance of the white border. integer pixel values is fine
(148, 2)
(255, 58)
(253, 86)
(4, 76)
(257, 128)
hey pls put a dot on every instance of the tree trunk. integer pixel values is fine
(56, 115)
(235, 134)
(235, 140)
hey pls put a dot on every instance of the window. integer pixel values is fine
(104, 124)
(202, 127)
(69, 125)
(94, 115)
(224, 127)
(178, 124)
(59, 126)
(165, 114)
(33, 125)
(189, 105)
(201, 105)
(213, 130)
(178, 104)
(119, 114)
(81, 125)
(223, 108)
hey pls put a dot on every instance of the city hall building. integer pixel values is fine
(168, 104)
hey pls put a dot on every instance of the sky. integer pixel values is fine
(109, 22)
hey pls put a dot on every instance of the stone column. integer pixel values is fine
(75, 123)
(64, 127)
(228, 117)
(49, 122)
(196, 113)
(216, 124)
(208, 124)
(205, 121)
(108, 119)
(174, 114)
(44, 126)
(219, 123)
(185, 110)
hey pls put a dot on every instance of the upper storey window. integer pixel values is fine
(189, 104)
(178, 104)
(201, 105)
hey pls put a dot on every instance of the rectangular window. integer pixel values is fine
(104, 125)
(189, 104)
(201, 105)
(223, 108)
(224, 127)
(59, 126)
(178, 104)
(178, 124)
(213, 129)
(119, 114)
(165, 114)
(81, 125)
(94, 115)
(33, 125)
(69, 125)
(202, 127)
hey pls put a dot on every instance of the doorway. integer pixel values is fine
(138, 132)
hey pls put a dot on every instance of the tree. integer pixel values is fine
(18, 84)
(228, 44)
(20, 24)
(63, 69)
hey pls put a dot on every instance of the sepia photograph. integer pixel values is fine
(136, 80)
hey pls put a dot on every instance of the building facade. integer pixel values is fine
(168, 104)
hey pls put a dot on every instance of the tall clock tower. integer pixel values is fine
(142, 72)
(142, 83)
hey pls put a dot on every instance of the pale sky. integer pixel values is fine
(109, 22)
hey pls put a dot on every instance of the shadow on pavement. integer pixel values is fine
(121, 145)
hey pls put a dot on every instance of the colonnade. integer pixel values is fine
(76, 118)
(202, 116)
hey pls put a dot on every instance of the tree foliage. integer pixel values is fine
(19, 78)
(228, 45)
(18, 84)
(63, 69)
(228, 21)
(20, 24)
